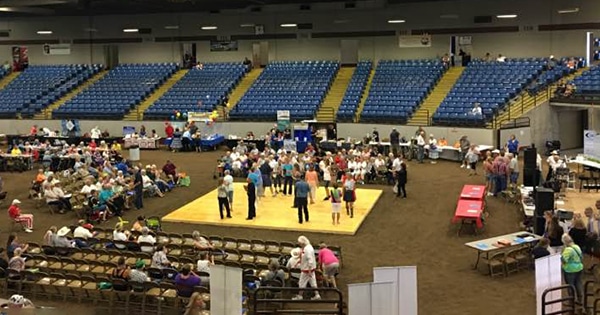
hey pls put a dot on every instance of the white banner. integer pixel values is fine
(548, 275)
(414, 41)
(283, 115)
(591, 143)
(57, 49)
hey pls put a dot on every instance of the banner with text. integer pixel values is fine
(283, 119)
(57, 49)
(223, 45)
(591, 143)
(414, 41)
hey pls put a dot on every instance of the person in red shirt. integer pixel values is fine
(14, 211)
(92, 144)
(33, 131)
(169, 130)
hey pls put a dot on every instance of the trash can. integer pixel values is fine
(134, 152)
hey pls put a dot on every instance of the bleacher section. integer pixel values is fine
(492, 84)
(118, 92)
(354, 92)
(398, 88)
(298, 86)
(198, 90)
(589, 82)
(39, 86)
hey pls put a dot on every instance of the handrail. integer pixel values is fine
(338, 302)
(567, 308)
(587, 293)
(428, 118)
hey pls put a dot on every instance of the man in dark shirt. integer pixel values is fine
(395, 141)
(302, 190)
(139, 189)
(375, 135)
(251, 191)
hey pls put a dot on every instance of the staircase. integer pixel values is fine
(138, 112)
(333, 100)
(423, 115)
(524, 102)
(8, 78)
(46, 113)
(242, 87)
(363, 100)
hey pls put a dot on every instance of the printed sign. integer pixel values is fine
(57, 49)
(414, 41)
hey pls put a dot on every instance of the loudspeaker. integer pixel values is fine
(530, 177)
(544, 200)
(530, 158)
(539, 225)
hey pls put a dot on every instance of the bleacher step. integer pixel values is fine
(8, 78)
(333, 100)
(46, 113)
(424, 113)
(361, 105)
(138, 112)
(242, 87)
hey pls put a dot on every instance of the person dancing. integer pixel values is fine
(222, 194)
(251, 191)
(336, 203)
(349, 191)
(308, 265)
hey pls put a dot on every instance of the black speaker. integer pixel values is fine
(530, 177)
(530, 158)
(544, 200)
(539, 225)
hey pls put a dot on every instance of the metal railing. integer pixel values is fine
(270, 300)
(568, 302)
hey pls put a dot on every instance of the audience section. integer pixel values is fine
(120, 91)
(39, 86)
(398, 88)
(354, 92)
(298, 86)
(200, 90)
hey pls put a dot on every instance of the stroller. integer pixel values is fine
(154, 223)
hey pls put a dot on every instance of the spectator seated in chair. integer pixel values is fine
(186, 280)
(26, 220)
(274, 273)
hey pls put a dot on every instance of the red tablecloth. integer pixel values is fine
(474, 192)
(469, 209)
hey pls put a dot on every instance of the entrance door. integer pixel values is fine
(111, 56)
(349, 52)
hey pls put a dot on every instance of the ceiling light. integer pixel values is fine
(396, 21)
(172, 27)
(130, 30)
(566, 11)
(247, 25)
(208, 28)
(91, 30)
(449, 16)
(506, 16)
(288, 25)
(44, 32)
(6, 9)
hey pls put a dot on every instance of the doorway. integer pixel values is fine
(111, 56)
(260, 54)
(349, 52)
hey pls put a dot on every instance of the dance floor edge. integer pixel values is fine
(276, 213)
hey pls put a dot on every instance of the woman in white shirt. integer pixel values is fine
(149, 185)
(145, 237)
(120, 235)
(325, 166)
(349, 194)
(204, 264)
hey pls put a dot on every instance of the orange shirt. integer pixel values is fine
(40, 178)
(312, 178)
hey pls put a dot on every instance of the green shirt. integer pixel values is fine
(572, 259)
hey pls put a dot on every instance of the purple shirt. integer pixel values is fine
(185, 285)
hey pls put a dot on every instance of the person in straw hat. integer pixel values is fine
(26, 220)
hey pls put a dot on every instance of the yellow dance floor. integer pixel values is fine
(277, 213)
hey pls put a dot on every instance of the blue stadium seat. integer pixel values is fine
(354, 91)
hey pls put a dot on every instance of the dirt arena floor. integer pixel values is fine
(414, 231)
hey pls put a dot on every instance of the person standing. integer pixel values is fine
(572, 265)
(336, 203)
(302, 190)
(288, 172)
(395, 141)
(138, 183)
(266, 173)
(465, 145)
(312, 178)
(512, 145)
(513, 169)
(251, 191)
(421, 146)
(228, 181)
(223, 200)
(472, 158)
(325, 166)
(350, 194)
(308, 265)
(402, 179)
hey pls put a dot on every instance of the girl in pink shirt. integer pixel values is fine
(312, 178)
(329, 264)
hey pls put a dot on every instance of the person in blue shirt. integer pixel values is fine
(512, 145)
(302, 190)
(288, 180)
(122, 166)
